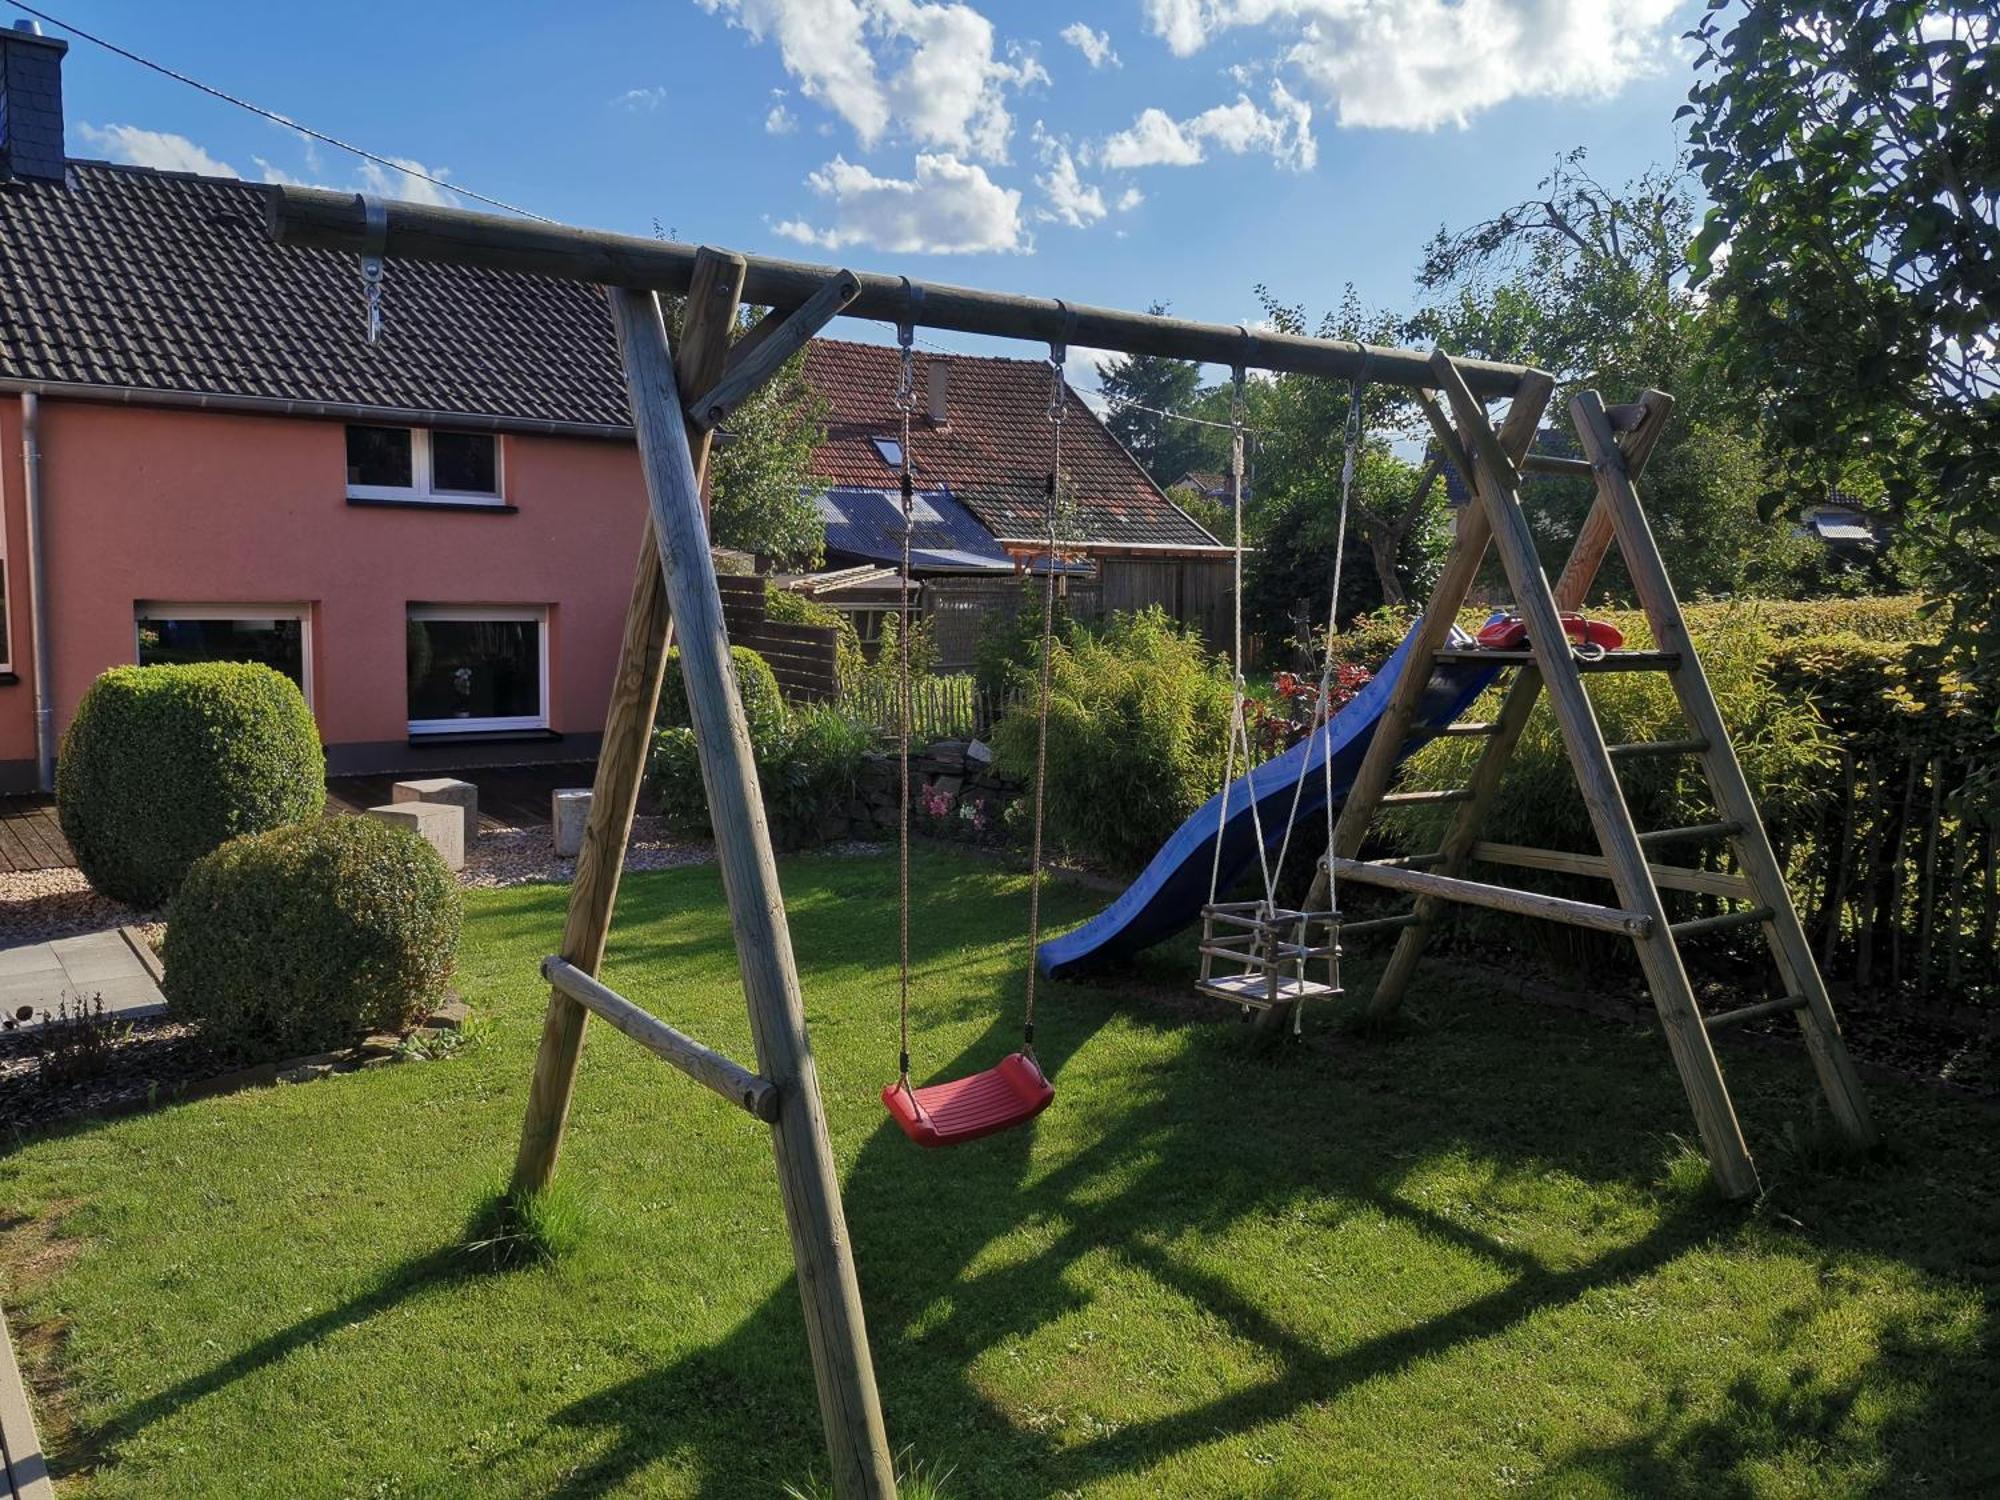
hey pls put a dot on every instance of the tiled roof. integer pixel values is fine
(993, 451)
(166, 281)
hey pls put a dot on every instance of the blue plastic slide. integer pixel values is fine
(1172, 890)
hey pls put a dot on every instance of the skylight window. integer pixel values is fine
(891, 450)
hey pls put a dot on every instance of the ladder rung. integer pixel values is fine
(1379, 924)
(1692, 831)
(1658, 747)
(1475, 727)
(1610, 661)
(1723, 1020)
(1498, 898)
(1729, 919)
(1425, 799)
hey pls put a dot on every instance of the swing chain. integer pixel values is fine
(376, 231)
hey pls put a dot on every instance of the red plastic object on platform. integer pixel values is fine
(964, 1109)
(1510, 632)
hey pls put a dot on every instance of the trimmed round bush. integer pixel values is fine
(763, 704)
(308, 937)
(162, 764)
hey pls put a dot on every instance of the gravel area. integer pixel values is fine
(524, 856)
(37, 906)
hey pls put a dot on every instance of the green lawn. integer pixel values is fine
(1467, 1258)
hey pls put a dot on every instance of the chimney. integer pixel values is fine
(937, 383)
(31, 111)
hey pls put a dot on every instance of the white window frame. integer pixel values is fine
(175, 609)
(421, 491)
(538, 613)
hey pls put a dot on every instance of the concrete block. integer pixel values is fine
(460, 794)
(438, 824)
(569, 810)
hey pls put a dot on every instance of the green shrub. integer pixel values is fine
(763, 704)
(162, 764)
(807, 764)
(308, 937)
(1009, 650)
(1138, 725)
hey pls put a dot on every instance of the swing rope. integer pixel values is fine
(906, 398)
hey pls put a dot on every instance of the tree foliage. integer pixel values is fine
(762, 487)
(1145, 393)
(1852, 153)
(1396, 511)
(1591, 284)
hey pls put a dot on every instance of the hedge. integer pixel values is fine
(763, 703)
(309, 937)
(162, 764)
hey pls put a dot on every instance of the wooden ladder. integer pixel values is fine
(1617, 442)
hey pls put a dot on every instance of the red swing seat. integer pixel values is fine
(958, 1110)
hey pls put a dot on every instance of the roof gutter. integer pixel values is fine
(280, 406)
(38, 608)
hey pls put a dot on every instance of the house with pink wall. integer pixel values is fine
(202, 455)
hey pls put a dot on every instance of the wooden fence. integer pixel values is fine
(962, 610)
(941, 708)
(802, 657)
(1900, 881)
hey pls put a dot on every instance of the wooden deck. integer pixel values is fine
(510, 798)
(30, 838)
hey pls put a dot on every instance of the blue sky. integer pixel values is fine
(1298, 143)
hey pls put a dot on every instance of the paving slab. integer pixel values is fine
(78, 969)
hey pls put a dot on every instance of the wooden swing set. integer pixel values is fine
(676, 403)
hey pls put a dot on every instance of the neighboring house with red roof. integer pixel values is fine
(981, 448)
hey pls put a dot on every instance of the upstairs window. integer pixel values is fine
(891, 450)
(421, 465)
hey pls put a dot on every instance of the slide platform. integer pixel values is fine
(1170, 893)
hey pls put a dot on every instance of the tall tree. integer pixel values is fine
(763, 491)
(1395, 510)
(1591, 283)
(1145, 393)
(1851, 149)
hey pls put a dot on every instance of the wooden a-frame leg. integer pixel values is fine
(1587, 554)
(836, 1331)
(1733, 798)
(1498, 490)
(1461, 566)
(621, 759)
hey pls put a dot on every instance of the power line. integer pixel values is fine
(274, 117)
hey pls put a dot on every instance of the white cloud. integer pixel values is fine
(1094, 45)
(1071, 200)
(636, 100)
(931, 72)
(1130, 199)
(950, 207)
(1419, 64)
(153, 148)
(1156, 139)
(780, 120)
(176, 153)
(386, 183)
(1153, 140)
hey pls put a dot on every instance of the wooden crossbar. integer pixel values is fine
(1726, 921)
(711, 1069)
(1670, 877)
(1497, 897)
(1723, 1020)
(1610, 661)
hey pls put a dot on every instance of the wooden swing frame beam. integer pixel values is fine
(674, 592)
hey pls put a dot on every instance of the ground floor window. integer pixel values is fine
(274, 634)
(478, 667)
